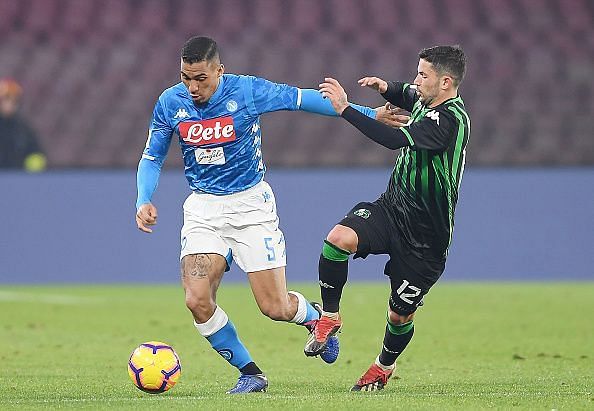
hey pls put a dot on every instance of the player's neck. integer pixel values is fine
(444, 97)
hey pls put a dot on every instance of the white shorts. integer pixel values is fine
(241, 227)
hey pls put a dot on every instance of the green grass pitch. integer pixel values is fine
(479, 345)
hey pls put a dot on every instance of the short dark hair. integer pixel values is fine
(199, 48)
(446, 59)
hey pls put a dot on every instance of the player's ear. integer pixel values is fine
(446, 82)
(221, 70)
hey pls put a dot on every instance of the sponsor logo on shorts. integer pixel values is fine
(362, 212)
(325, 285)
(213, 131)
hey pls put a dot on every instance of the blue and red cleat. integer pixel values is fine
(329, 353)
(250, 383)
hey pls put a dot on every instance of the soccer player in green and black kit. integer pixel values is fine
(413, 220)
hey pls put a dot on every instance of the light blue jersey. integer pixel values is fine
(221, 139)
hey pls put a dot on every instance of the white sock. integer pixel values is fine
(382, 366)
(214, 323)
(334, 316)
(301, 313)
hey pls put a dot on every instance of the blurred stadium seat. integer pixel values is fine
(92, 70)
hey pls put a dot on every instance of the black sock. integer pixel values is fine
(396, 339)
(333, 271)
(250, 369)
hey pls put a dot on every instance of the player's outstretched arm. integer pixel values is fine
(374, 83)
(385, 135)
(313, 102)
(399, 94)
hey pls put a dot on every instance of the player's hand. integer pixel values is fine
(145, 217)
(392, 116)
(332, 90)
(375, 83)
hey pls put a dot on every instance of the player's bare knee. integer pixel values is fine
(343, 237)
(200, 307)
(398, 318)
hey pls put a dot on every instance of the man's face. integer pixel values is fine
(427, 82)
(8, 105)
(201, 78)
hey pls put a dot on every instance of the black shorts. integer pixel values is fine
(410, 277)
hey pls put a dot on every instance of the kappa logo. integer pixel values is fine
(362, 212)
(181, 113)
(325, 285)
(433, 115)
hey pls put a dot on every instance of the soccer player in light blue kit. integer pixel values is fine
(231, 212)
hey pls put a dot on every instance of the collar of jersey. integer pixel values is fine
(215, 96)
(450, 100)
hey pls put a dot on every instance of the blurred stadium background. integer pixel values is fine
(92, 69)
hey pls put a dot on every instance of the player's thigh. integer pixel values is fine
(411, 279)
(372, 226)
(201, 277)
(200, 269)
(253, 230)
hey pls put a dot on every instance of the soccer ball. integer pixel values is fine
(154, 367)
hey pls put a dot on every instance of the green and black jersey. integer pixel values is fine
(423, 190)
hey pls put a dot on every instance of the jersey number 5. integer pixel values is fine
(271, 254)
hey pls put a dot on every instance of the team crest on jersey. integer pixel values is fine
(181, 113)
(212, 131)
(433, 115)
(362, 212)
(231, 106)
